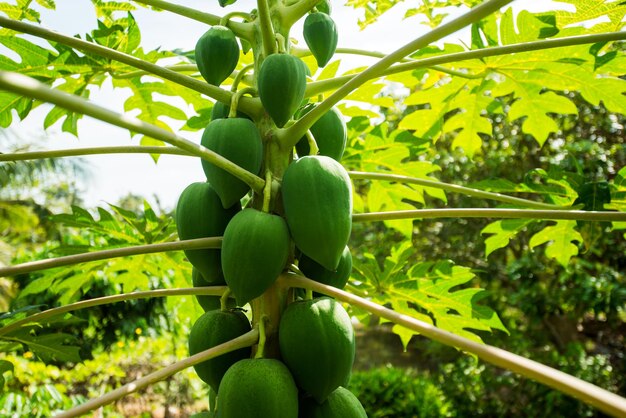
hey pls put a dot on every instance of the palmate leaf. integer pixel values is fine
(428, 291)
(560, 239)
(501, 232)
(528, 85)
(112, 229)
(49, 347)
(373, 10)
(381, 151)
(589, 10)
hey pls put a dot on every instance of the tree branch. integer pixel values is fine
(246, 340)
(190, 244)
(26, 86)
(317, 87)
(454, 188)
(578, 215)
(105, 300)
(73, 152)
(242, 30)
(570, 385)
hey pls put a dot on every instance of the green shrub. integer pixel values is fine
(389, 392)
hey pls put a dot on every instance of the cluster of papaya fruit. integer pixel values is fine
(304, 225)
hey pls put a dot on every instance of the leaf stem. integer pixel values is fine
(26, 86)
(246, 340)
(454, 188)
(578, 215)
(265, 26)
(179, 68)
(260, 351)
(190, 244)
(250, 106)
(290, 14)
(73, 152)
(572, 386)
(105, 300)
(318, 87)
(288, 137)
(241, 29)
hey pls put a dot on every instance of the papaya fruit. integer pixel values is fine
(217, 54)
(317, 272)
(317, 199)
(257, 388)
(281, 85)
(209, 302)
(324, 6)
(317, 344)
(212, 329)
(239, 141)
(220, 111)
(200, 214)
(255, 249)
(330, 133)
(341, 403)
(320, 35)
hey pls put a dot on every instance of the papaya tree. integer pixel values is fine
(295, 157)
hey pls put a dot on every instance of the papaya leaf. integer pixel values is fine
(560, 240)
(50, 347)
(428, 290)
(589, 10)
(501, 232)
(382, 151)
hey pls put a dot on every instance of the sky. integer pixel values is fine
(116, 175)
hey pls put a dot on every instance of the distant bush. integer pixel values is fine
(390, 392)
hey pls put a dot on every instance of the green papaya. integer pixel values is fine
(257, 388)
(317, 198)
(281, 85)
(324, 6)
(255, 249)
(200, 214)
(217, 54)
(239, 141)
(341, 403)
(320, 35)
(220, 111)
(212, 329)
(209, 302)
(330, 133)
(317, 344)
(337, 278)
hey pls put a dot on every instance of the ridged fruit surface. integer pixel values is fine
(281, 85)
(337, 278)
(317, 343)
(255, 249)
(320, 35)
(217, 54)
(212, 329)
(330, 133)
(341, 403)
(200, 214)
(257, 388)
(237, 140)
(317, 198)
